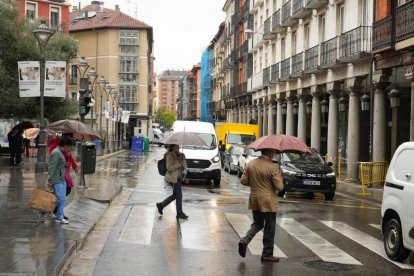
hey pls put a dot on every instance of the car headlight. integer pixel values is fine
(288, 172)
(216, 159)
(331, 174)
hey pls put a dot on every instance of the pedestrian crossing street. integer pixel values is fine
(205, 231)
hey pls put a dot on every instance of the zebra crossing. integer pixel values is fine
(200, 232)
(113, 170)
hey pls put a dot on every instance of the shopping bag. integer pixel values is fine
(43, 201)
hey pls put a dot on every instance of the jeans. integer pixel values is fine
(60, 193)
(268, 221)
(177, 195)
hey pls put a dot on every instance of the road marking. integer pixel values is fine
(138, 227)
(321, 247)
(363, 239)
(376, 226)
(241, 224)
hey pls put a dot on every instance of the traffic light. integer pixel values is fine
(84, 102)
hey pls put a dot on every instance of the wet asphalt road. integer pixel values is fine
(313, 236)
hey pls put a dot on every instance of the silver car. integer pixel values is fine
(244, 159)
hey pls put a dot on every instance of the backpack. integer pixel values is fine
(162, 167)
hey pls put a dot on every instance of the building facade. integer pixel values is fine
(169, 83)
(119, 48)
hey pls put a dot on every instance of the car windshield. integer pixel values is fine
(254, 153)
(209, 140)
(240, 139)
(303, 158)
(237, 151)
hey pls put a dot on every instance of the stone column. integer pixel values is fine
(270, 120)
(265, 115)
(249, 116)
(353, 132)
(316, 118)
(240, 119)
(254, 110)
(260, 118)
(289, 117)
(379, 120)
(332, 153)
(302, 116)
(279, 117)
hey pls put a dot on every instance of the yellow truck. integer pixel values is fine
(229, 134)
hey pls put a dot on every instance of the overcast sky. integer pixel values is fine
(182, 28)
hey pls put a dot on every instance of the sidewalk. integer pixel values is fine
(35, 245)
(373, 194)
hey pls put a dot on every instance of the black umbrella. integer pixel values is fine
(24, 125)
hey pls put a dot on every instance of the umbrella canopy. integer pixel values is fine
(184, 138)
(31, 133)
(78, 129)
(24, 125)
(280, 143)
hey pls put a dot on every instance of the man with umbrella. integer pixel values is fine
(265, 181)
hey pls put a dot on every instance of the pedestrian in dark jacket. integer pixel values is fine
(19, 146)
(12, 138)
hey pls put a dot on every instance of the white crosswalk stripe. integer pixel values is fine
(363, 239)
(376, 226)
(241, 224)
(321, 247)
(138, 227)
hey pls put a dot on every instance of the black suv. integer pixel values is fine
(306, 172)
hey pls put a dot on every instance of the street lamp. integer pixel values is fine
(395, 103)
(284, 108)
(42, 34)
(92, 76)
(101, 84)
(309, 107)
(342, 104)
(295, 108)
(324, 106)
(108, 89)
(114, 95)
(365, 102)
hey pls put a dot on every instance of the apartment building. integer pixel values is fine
(169, 83)
(119, 47)
(55, 13)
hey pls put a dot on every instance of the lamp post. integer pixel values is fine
(101, 84)
(394, 103)
(108, 89)
(42, 34)
(114, 95)
(92, 76)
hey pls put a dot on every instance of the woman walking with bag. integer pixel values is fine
(176, 166)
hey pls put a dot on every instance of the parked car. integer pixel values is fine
(306, 172)
(397, 223)
(244, 159)
(231, 159)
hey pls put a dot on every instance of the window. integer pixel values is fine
(282, 48)
(128, 37)
(128, 65)
(128, 93)
(128, 49)
(365, 11)
(322, 21)
(293, 46)
(73, 74)
(307, 37)
(54, 17)
(341, 19)
(30, 11)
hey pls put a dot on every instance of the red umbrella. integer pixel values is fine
(280, 143)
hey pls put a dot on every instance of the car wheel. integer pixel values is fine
(329, 196)
(281, 193)
(217, 182)
(393, 241)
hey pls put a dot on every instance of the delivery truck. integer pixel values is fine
(230, 134)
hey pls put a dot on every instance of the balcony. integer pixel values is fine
(287, 19)
(404, 25)
(315, 4)
(277, 22)
(383, 38)
(355, 44)
(297, 65)
(255, 5)
(329, 53)
(274, 75)
(256, 82)
(312, 60)
(227, 64)
(266, 76)
(285, 69)
(256, 40)
(299, 10)
(239, 90)
(267, 30)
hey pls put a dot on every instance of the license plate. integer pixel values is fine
(311, 182)
(195, 170)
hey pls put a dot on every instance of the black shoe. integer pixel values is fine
(242, 248)
(159, 207)
(65, 217)
(182, 216)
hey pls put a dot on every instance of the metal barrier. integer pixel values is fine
(372, 173)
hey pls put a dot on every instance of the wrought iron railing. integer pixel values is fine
(266, 75)
(383, 34)
(285, 68)
(286, 11)
(297, 5)
(404, 25)
(275, 72)
(297, 63)
(266, 27)
(329, 51)
(355, 41)
(312, 58)
(276, 20)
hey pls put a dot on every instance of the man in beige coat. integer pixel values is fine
(265, 181)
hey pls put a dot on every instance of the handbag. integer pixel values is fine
(42, 200)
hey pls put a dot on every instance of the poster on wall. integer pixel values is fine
(107, 109)
(55, 79)
(29, 78)
(125, 116)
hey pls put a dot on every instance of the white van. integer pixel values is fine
(397, 208)
(202, 162)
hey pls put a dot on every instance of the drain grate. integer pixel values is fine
(328, 266)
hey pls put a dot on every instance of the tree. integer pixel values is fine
(17, 43)
(165, 117)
